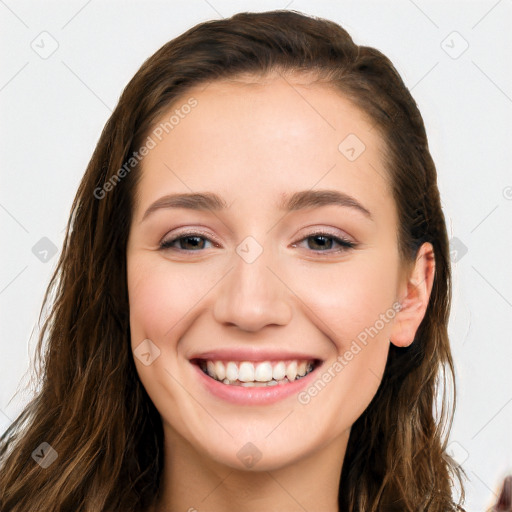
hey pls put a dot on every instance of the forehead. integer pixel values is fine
(262, 138)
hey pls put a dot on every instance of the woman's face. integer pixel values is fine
(268, 278)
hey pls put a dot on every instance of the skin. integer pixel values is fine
(251, 141)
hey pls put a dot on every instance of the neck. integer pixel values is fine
(192, 483)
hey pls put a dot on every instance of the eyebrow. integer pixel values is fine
(301, 200)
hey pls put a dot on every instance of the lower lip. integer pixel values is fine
(262, 395)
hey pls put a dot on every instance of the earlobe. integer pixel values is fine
(415, 297)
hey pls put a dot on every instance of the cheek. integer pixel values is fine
(159, 298)
(165, 299)
(352, 297)
(353, 307)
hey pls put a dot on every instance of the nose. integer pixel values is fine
(253, 294)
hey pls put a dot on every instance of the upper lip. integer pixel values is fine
(248, 354)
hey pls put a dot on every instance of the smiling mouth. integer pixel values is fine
(260, 374)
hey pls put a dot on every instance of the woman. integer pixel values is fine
(250, 309)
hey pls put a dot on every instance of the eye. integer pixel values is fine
(323, 242)
(187, 242)
(195, 242)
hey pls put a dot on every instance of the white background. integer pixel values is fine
(53, 110)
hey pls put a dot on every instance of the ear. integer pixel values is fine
(416, 294)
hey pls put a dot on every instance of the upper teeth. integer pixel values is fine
(264, 371)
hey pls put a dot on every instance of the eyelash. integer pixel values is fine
(342, 242)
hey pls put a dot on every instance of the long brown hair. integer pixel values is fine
(92, 408)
